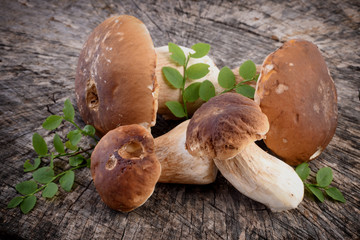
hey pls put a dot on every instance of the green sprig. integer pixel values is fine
(44, 178)
(324, 178)
(247, 71)
(204, 90)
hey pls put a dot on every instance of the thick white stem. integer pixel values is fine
(177, 165)
(263, 178)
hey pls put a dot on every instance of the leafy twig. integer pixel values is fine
(324, 178)
(43, 179)
(247, 71)
(203, 90)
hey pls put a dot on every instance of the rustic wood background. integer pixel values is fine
(39, 45)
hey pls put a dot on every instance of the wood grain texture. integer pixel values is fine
(39, 45)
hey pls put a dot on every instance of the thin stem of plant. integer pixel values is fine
(68, 154)
(237, 85)
(183, 87)
(54, 178)
(73, 123)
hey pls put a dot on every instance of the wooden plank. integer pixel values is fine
(39, 45)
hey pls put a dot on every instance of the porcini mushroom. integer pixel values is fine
(115, 80)
(124, 167)
(224, 129)
(177, 164)
(297, 94)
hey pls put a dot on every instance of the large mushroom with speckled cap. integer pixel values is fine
(125, 168)
(225, 129)
(115, 80)
(297, 94)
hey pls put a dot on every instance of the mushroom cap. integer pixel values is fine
(297, 94)
(115, 80)
(224, 126)
(124, 167)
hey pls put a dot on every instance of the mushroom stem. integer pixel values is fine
(177, 164)
(263, 178)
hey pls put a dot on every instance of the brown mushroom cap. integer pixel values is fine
(224, 126)
(298, 95)
(124, 167)
(115, 80)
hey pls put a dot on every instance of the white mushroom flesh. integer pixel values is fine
(177, 164)
(263, 178)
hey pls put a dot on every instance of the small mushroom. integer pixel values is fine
(124, 167)
(297, 94)
(224, 129)
(177, 164)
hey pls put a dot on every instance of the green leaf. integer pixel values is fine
(303, 171)
(201, 49)
(176, 108)
(43, 175)
(317, 192)
(324, 177)
(28, 167)
(191, 93)
(88, 162)
(74, 136)
(76, 160)
(178, 54)
(68, 145)
(67, 181)
(245, 90)
(39, 144)
(58, 144)
(247, 70)
(173, 76)
(206, 90)
(28, 204)
(197, 71)
(26, 187)
(68, 111)
(50, 190)
(52, 122)
(226, 78)
(335, 194)
(15, 202)
(89, 130)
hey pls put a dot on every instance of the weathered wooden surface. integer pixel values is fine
(39, 45)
